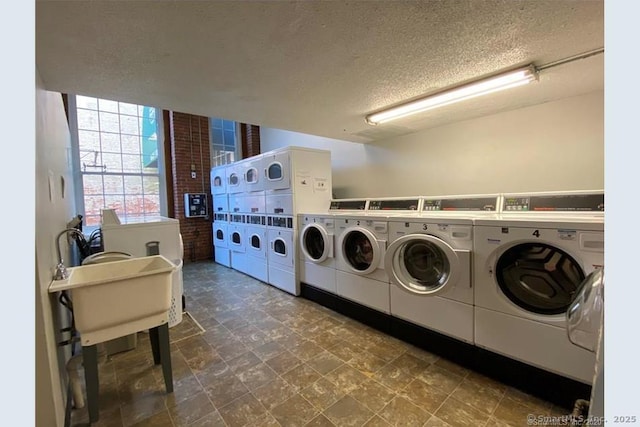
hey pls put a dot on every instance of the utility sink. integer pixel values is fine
(118, 298)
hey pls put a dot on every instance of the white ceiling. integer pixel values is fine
(316, 67)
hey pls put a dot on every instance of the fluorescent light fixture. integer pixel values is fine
(514, 78)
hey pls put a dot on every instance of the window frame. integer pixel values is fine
(76, 165)
(237, 143)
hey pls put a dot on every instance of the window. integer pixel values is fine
(117, 156)
(223, 142)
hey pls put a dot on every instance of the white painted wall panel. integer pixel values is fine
(53, 211)
(553, 146)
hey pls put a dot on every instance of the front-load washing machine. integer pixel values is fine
(428, 261)
(529, 265)
(316, 261)
(281, 252)
(255, 251)
(361, 243)
(222, 253)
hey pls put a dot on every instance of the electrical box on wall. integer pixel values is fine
(195, 205)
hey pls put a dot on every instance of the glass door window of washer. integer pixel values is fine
(539, 278)
(358, 250)
(314, 243)
(423, 266)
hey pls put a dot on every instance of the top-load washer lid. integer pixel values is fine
(538, 277)
(584, 316)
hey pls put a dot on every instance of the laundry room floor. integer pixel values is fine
(267, 358)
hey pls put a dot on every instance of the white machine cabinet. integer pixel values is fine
(304, 174)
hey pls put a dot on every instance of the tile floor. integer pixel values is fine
(267, 358)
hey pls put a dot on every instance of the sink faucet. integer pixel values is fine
(61, 272)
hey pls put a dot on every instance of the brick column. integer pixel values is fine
(190, 152)
(250, 139)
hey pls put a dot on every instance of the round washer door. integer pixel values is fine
(316, 243)
(538, 277)
(360, 250)
(422, 264)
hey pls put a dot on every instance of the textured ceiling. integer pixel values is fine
(315, 67)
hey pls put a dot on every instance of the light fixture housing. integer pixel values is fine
(506, 80)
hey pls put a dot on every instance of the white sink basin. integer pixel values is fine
(118, 298)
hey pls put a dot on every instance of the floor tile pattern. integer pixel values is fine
(267, 358)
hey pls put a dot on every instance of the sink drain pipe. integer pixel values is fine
(73, 370)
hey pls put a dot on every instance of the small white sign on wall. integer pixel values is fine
(303, 179)
(320, 184)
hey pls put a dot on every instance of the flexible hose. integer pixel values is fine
(73, 365)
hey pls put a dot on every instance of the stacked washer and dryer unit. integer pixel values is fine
(264, 194)
(529, 264)
(247, 218)
(222, 252)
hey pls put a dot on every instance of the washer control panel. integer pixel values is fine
(555, 203)
(487, 204)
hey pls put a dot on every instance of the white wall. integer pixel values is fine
(553, 146)
(54, 208)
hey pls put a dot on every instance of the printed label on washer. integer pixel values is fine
(567, 234)
(493, 241)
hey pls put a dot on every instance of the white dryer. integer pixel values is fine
(528, 266)
(221, 203)
(316, 261)
(219, 180)
(281, 252)
(361, 243)
(428, 261)
(254, 180)
(237, 240)
(255, 250)
(235, 177)
(222, 253)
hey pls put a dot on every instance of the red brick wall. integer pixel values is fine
(190, 151)
(250, 137)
